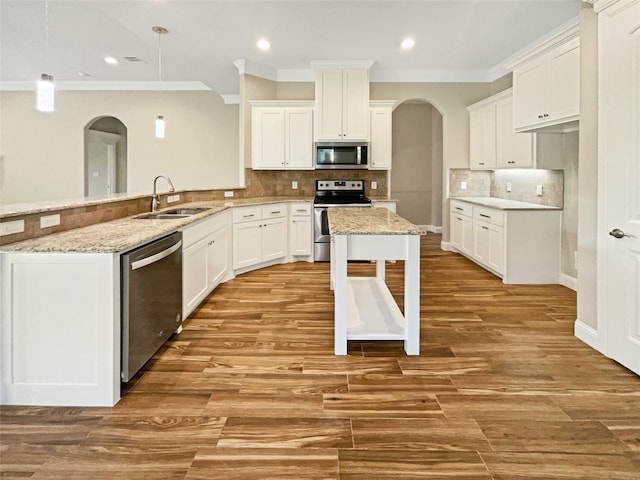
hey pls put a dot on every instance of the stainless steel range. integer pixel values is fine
(333, 193)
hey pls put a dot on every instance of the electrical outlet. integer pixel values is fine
(508, 186)
(463, 185)
(50, 221)
(374, 185)
(294, 185)
(539, 190)
(173, 198)
(228, 194)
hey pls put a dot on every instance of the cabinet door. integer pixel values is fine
(194, 276)
(482, 144)
(217, 257)
(329, 102)
(355, 104)
(247, 244)
(300, 236)
(299, 138)
(481, 242)
(564, 78)
(513, 150)
(461, 233)
(267, 145)
(380, 139)
(274, 239)
(496, 249)
(529, 90)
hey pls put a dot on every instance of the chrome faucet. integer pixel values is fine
(154, 198)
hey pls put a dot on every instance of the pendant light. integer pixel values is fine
(159, 122)
(44, 87)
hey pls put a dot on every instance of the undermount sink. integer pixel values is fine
(174, 213)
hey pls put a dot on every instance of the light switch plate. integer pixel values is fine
(463, 185)
(294, 185)
(374, 185)
(539, 190)
(508, 186)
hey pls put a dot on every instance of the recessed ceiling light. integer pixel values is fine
(264, 44)
(111, 60)
(408, 43)
(84, 74)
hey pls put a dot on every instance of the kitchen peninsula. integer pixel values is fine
(364, 306)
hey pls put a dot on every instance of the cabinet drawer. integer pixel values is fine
(300, 209)
(246, 214)
(196, 232)
(494, 217)
(274, 211)
(461, 208)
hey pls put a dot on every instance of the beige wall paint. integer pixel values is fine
(588, 160)
(451, 100)
(43, 154)
(412, 172)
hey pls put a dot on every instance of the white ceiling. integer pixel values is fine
(456, 40)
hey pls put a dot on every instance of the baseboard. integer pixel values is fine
(446, 246)
(568, 281)
(590, 336)
(431, 228)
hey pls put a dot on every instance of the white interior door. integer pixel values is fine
(619, 182)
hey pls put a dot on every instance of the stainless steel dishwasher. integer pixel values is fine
(151, 300)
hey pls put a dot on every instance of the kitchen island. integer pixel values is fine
(364, 306)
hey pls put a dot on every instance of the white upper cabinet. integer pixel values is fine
(281, 135)
(380, 150)
(546, 84)
(492, 140)
(342, 104)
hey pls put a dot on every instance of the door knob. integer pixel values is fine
(616, 232)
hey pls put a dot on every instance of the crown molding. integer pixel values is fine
(247, 67)
(326, 64)
(88, 85)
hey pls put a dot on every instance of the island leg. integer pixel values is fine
(339, 263)
(412, 295)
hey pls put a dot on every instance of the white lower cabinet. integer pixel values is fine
(259, 235)
(300, 230)
(488, 245)
(519, 245)
(461, 227)
(205, 259)
(60, 329)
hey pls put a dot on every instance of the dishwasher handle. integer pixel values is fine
(157, 257)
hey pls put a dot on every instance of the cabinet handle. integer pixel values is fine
(480, 163)
(485, 228)
(274, 212)
(250, 215)
(546, 115)
(485, 216)
(540, 116)
(458, 208)
(301, 210)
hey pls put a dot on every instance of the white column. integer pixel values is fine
(339, 264)
(412, 295)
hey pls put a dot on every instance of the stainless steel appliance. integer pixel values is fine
(341, 156)
(333, 193)
(151, 300)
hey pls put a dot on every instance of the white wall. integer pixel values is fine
(42, 155)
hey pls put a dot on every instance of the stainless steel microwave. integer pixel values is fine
(341, 156)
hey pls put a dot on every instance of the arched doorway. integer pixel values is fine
(416, 177)
(105, 157)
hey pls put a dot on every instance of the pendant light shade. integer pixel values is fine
(45, 94)
(159, 126)
(44, 86)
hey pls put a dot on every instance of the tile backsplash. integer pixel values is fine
(523, 184)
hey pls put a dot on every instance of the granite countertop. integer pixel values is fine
(369, 221)
(504, 204)
(126, 233)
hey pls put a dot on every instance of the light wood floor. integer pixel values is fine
(251, 389)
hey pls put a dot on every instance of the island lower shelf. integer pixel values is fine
(372, 312)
